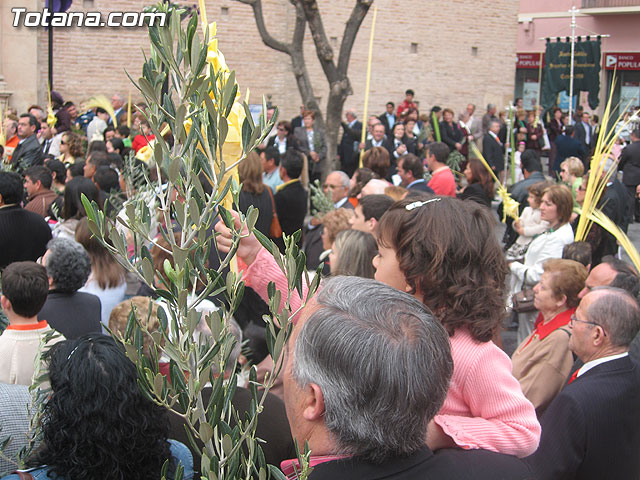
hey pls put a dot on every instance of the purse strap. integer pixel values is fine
(273, 203)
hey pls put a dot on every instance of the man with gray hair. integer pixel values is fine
(591, 430)
(367, 369)
(489, 117)
(68, 311)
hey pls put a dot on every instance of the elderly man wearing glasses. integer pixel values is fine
(591, 430)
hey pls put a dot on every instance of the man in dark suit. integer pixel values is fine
(297, 121)
(368, 368)
(568, 146)
(29, 151)
(23, 234)
(348, 148)
(388, 118)
(493, 148)
(411, 171)
(591, 430)
(290, 197)
(630, 166)
(585, 134)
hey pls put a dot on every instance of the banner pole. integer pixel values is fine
(365, 120)
(573, 51)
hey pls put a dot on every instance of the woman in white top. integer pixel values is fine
(556, 208)
(107, 279)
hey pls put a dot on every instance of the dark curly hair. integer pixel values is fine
(447, 250)
(96, 423)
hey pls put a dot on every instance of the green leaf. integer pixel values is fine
(205, 431)
(174, 170)
(147, 271)
(227, 444)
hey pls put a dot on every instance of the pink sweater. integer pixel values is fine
(485, 406)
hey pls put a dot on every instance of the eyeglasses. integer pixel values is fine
(576, 319)
(332, 187)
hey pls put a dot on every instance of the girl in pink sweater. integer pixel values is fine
(444, 252)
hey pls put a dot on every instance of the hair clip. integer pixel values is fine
(419, 204)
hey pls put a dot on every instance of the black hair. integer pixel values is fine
(115, 160)
(110, 128)
(97, 146)
(97, 423)
(72, 206)
(292, 163)
(26, 286)
(99, 159)
(390, 103)
(375, 205)
(77, 169)
(440, 150)
(568, 130)
(272, 152)
(100, 110)
(530, 161)
(413, 164)
(58, 170)
(107, 179)
(409, 92)
(124, 131)
(117, 144)
(11, 188)
(40, 173)
(626, 277)
(33, 121)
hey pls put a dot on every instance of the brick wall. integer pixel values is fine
(464, 52)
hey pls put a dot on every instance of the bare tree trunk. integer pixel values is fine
(339, 85)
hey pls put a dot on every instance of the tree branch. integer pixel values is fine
(359, 12)
(323, 48)
(267, 39)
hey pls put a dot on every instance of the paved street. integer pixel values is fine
(509, 337)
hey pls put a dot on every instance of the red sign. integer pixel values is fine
(622, 61)
(529, 60)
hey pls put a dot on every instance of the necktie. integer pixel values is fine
(574, 375)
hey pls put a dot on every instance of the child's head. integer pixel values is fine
(535, 194)
(26, 286)
(444, 252)
(521, 146)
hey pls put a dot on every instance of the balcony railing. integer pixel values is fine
(610, 3)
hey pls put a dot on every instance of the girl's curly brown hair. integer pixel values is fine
(448, 252)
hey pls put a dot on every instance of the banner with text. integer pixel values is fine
(557, 71)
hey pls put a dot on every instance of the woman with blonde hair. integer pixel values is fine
(70, 148)
(571, 172)
(107, 278)
(334, 222)
(254, 192)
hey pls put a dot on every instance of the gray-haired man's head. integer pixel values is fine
(381, 361)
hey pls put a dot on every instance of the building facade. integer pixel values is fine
(615, 21)
(450, 52)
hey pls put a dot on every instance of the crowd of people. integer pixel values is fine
(396, 367)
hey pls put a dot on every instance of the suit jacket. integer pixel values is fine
(346, 149)
(493, 152)
(72, 314)
(630, 164)
(291, 206)
(447, 464)
(385, 121)
(451, 134)
(591, 430)
(568, 147)
(320, 147)
(27, 154)
(581, 136)
(23, 235)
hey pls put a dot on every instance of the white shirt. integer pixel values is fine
(594, 363)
